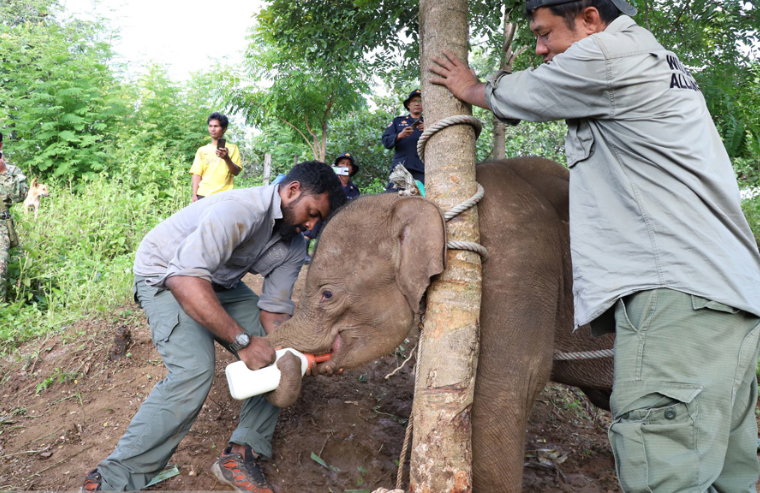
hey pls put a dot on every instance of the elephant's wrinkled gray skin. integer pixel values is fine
(374, 263)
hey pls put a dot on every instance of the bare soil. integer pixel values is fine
(67, 399)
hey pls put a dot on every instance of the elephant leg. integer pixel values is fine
(499, 440)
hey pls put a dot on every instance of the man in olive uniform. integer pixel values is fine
(13, 188)
(661, 252)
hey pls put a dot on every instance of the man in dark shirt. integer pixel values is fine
(403, 134)
(346, 160)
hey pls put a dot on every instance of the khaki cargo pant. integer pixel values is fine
(683, 402)
(167, 414)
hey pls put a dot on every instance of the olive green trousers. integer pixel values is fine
(166, 415)
(683, 402)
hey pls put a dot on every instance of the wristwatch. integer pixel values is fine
(241, 340)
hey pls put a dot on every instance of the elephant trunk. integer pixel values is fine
(289, 388)
(299, 335)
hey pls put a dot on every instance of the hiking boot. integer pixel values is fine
(243, 474)
(91, 482)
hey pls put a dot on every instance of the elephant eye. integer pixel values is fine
(327, 295)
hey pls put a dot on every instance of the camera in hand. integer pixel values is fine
(221, 143)
(341, 170)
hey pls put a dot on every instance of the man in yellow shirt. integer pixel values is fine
(215, 164)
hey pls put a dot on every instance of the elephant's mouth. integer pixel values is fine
(335, 360)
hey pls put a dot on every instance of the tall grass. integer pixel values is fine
(76, 258)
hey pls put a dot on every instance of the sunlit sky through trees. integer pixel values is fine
(184, 35)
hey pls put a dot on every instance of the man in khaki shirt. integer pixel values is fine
(661, 251)
(188, 273)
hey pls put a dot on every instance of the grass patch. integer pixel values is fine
(76, 258)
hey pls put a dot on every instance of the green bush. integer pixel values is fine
(751, 207)
(76, 258)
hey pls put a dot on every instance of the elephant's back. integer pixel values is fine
(527, 176)
(520, 195)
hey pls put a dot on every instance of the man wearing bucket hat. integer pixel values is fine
(345, 166)
(403, 134)
(661, 251)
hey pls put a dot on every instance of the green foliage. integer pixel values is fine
(301, 93)
(59, 96)
(751, 208)
(716, 40)
(170, 119)
(351, 37)
(76, 258)
(357, 132)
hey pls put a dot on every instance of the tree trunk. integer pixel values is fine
(505, 63)
(499, 140)
(442, 453)
(267, 167)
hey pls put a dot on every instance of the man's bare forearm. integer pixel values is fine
(197, 299)
(232, 167)
(196, 184)
(475, 95)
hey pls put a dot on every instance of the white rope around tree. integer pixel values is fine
(447, 122)
(472, 201)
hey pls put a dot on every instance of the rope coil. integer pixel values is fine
(472, 201)
(447, 122)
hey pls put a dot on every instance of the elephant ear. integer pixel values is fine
(420, 233)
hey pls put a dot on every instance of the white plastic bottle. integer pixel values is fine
(245, 383)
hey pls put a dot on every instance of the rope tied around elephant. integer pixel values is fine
(403, 180)
(604, 353)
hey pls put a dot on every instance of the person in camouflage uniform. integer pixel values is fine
(13, 188)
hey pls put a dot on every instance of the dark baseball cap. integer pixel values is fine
(412, 94)
(622, 5)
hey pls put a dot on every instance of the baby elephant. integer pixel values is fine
(32, 200)
(363, 309)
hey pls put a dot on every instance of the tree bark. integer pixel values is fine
(267, 167)
(505, 63)
(441, 451)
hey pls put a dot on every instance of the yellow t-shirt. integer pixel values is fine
(215, 176)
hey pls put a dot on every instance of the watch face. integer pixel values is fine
(242, 339)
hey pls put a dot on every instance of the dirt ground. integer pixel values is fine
(67, 399)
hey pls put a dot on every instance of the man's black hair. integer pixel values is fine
(222, 119)
(1, 136)
(608, 12)
(317, 178)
